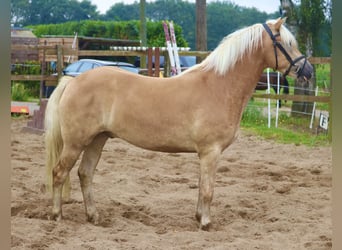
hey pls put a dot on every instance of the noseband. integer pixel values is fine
(281, 48)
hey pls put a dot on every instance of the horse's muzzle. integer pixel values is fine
(305, 70)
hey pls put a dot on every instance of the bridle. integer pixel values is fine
(281, 48)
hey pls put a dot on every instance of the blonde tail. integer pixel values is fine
(53, 138)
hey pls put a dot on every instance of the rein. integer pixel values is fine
(282, 49)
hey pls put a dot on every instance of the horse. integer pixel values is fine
(197, 111)
(273, 79)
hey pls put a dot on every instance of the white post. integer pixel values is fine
(73, 46)
(313, 109)
(269, 100)
(277, 109)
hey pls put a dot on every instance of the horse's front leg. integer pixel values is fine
(208, 162)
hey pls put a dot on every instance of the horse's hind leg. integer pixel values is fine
(208, 162)
(86, 170)
(61, 171)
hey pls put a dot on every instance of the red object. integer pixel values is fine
(19, 110)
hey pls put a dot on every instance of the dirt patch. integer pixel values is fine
(267, 196)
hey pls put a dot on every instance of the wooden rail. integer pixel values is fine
(297, 98)
(34, 78)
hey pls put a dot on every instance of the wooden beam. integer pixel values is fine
(33, 78)
(106, 53)
(298, 98)
(319, 60)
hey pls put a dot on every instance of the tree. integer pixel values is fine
(224, 18)
(310, 21)
(31, 12)
(19, 9)
(122, 12)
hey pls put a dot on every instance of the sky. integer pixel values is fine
(269, 6)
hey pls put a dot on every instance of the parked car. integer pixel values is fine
(78, 67)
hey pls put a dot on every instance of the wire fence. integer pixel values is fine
(313, 117)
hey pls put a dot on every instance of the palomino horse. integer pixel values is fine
(197, 111)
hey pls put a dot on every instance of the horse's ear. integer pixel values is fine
(279, 22)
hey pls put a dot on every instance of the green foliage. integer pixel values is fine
(222, 17)
(53, 11)
(312, 18)
(111, 29)
(311, 21)
(253, 115)
(19, 93)
(28, 89)
(323, 75)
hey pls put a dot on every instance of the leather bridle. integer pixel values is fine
(278, 45)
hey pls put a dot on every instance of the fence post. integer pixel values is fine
(59, 60)
(43, 69)
(330, 106)
(156, 62)
(167, 65)
(149, 62)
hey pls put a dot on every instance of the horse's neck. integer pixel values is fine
(241, 80)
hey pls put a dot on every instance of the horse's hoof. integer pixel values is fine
(205, 227)
(205, 224)
(56, 217)
(94, 219)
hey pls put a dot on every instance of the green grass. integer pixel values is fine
(290, 130)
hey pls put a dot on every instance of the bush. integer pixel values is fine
(19, 93)
(111, 29)
(31, 88)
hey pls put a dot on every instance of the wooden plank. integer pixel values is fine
(298, 98)
(31, 47)
(319, 60)
(194, 53)
(33, 78)
(105, 53)
(56, 40)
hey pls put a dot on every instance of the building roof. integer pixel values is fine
(21, 32)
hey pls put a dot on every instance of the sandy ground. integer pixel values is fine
(267, 196)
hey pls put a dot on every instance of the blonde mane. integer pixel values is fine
(244, 41)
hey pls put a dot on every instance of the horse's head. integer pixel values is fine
(282, 52)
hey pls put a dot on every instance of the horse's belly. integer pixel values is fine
(158, 142)
(157, 136)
